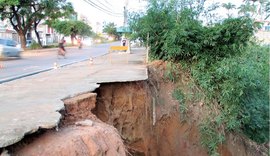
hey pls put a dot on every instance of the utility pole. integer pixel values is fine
(125, 13)
(125, 16)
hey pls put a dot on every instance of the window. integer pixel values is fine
(11, 43)
(2, 42)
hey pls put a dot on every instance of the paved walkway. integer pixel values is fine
(33, 102)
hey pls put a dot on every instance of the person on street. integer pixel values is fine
(123, 42)
(62, 50)
(79, 43)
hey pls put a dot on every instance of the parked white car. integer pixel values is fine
(9, 48)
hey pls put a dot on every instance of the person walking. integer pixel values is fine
(124, 42)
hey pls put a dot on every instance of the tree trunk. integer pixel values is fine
(22, 39)
(73, 36)
(72, 39)
(38, 37)
(36, 23)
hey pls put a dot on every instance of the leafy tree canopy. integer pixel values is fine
(9, 2)
(72, 28)
(110, 29)
(23, 15)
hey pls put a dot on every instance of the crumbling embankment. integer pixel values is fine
(79, 133)
(143, 113)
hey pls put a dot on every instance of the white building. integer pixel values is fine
(47, 35)
(6, 31)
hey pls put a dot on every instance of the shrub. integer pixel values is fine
(180, 97)
(51, 46)
(171, 72)
(183, 41)
(222, 62)
(240, 84)
(35, 45)
(254, 102)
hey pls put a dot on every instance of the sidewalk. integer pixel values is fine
(33, 102)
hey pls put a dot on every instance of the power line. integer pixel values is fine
(110, 10)
(98, 7)
(102, 9)
(108, 3)
(103, 4)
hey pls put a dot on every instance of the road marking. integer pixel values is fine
(31, 67)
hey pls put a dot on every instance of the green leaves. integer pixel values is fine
(8, 2)
(230, 70)
(72, 28)
(180, 97)
(240, 84)
(24, 14)
(110, 29)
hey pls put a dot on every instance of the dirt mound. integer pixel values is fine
(85, 138)
(80, 133)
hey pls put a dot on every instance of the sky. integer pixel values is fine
(222, 11)
(97, 17)
(116, 7)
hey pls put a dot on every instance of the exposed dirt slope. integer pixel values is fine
(149, 119)
(145, 115)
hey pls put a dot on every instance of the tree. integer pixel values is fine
(247, 9)
(8, 2)
(229, 6)
(23, 15)
(51, 10)
(210, 15)
(72, 28)
(256, 7)
(110, 29)
(267, 10)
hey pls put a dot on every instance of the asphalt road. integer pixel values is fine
(35, 62)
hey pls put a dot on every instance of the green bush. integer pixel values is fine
(171, 73)
(211, 135)
(254, 102)
(180, 97)
(240, 84)
(222, 61)
(35, 45)
(183, 41)
(51, 46)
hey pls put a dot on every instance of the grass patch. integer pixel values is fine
(180, 97)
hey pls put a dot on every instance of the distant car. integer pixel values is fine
(9, 48)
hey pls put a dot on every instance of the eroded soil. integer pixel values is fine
(131, 118)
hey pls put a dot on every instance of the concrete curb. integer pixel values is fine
(45, 50)
(43, 70)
